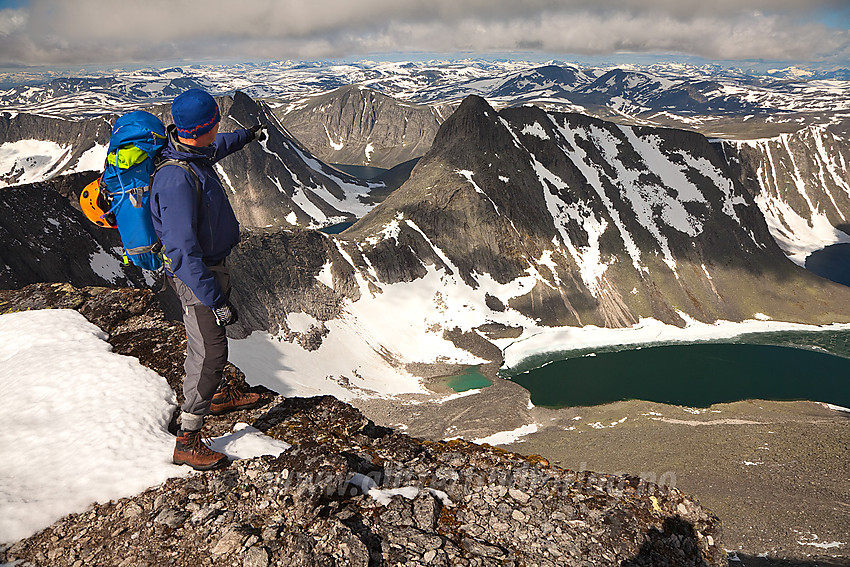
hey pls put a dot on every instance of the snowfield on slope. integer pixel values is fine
(82, 424)
(30, 161)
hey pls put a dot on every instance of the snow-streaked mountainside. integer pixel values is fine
(36, 148)
(360, 126)
(800, 182)
(524, 217)
(521, 222)
(278, 182)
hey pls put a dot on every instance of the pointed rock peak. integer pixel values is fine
(244, 103)
(473, 120)
(473, 104)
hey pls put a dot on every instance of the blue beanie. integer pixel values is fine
(195, 113)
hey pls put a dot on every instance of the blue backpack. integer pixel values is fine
(121, 197)
(135, 143)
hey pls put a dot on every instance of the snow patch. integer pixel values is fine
(336, 146)
(535, 130)
(30, 161)
(326, 275)
(246, 442)
(508, 437)
(300, 322)
(384, 496)
(224, 176)
(345, 365)
(106, 265)
(91, 160)
(60, 454)
(391, 230)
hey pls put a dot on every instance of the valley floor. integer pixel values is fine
(776, 473)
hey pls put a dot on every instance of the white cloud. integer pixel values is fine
(101, 31)
(11, 21)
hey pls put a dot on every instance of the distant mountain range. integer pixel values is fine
(700, 98)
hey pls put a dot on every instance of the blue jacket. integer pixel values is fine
(195, 235)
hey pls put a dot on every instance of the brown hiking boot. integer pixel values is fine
(191, 450)
(232, 397)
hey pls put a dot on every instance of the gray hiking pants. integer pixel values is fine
(206, 346)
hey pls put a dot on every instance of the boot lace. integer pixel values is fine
(198, 442)
(232, 392)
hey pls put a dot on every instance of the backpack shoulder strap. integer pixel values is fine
(183, 165)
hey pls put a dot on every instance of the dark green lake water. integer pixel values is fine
(336, 228)
(698, 375)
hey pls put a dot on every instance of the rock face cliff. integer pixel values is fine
(36, 148)
(359, 126)
(350, 493)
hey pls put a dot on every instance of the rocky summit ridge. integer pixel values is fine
(348, 492)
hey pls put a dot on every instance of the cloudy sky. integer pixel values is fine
(66, 32)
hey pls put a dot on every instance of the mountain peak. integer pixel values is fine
(474, 121)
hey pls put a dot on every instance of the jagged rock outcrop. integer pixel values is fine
(350, 493)
(274, 273)
(359, 126)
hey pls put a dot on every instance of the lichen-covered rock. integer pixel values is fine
(351, 493)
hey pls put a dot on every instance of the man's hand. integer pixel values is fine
(258, 132)
(226, 314)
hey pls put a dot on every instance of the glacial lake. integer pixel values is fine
(773, 366)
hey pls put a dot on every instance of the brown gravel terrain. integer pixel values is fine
(776, 473)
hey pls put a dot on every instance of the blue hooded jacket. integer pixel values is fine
(195, 235)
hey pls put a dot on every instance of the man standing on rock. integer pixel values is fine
(197, 227)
